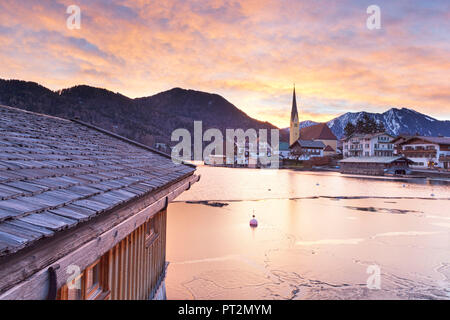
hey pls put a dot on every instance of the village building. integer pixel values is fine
(216, 160)
(379, 166)
(427, 152)
(307, 149)
(329, 151)
(397, 143)
(316, 133)
(83, 212)
(321, 132)
(340, 146)
(368, 145)
(284, 150)
(248, 154)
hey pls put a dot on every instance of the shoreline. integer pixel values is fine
(416, 174)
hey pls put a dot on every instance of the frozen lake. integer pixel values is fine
(318, 234)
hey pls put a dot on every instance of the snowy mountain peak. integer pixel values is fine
(396, 121)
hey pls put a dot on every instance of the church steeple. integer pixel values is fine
(294, 133)
(294, 111)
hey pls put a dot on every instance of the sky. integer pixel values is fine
(249, 51)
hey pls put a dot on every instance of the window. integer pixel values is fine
(91, 284)
(92, 281)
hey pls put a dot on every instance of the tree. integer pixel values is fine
(370, 126)
(380, 127)
(366, 125)
(360, 126)
(349, 129)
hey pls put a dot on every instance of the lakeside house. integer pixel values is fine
(368, 145)
(247, 154)
(307, 149)
(397, 143)
(82, 211)
(284, 150)
(426, 152)
(375, 165)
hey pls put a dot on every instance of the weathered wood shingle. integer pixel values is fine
(56, 173)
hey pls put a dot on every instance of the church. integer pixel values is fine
(316, 140)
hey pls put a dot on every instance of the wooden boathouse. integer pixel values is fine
(82, 211)
(378, 166)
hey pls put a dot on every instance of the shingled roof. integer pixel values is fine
(436, 140)
(319, 131)
(56, 173)
(310, 144)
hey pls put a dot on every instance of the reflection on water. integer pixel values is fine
(317, 235)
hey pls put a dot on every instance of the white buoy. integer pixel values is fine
(253, 222)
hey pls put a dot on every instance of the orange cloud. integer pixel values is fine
(249, 51)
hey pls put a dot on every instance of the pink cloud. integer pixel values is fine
(250, 51)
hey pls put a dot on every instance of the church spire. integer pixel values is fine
(294, 133)
(294, 111)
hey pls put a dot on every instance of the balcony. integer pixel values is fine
(383, 149)
(408, 151)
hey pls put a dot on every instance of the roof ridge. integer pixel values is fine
(114, 135)
(138, 144)
(32, 112)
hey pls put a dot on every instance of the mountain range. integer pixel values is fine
(147, 120)
(396, 121)
(153, 119)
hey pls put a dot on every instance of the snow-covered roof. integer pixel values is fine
(372, 159)
(310, 144)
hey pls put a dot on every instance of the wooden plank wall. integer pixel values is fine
(134, 265)
(131, 270)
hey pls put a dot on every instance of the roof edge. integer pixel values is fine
(426, 138)
(33, 112)
(138, 144)
(15, 289)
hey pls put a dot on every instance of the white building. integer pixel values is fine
(368, 145)
(427, 152)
